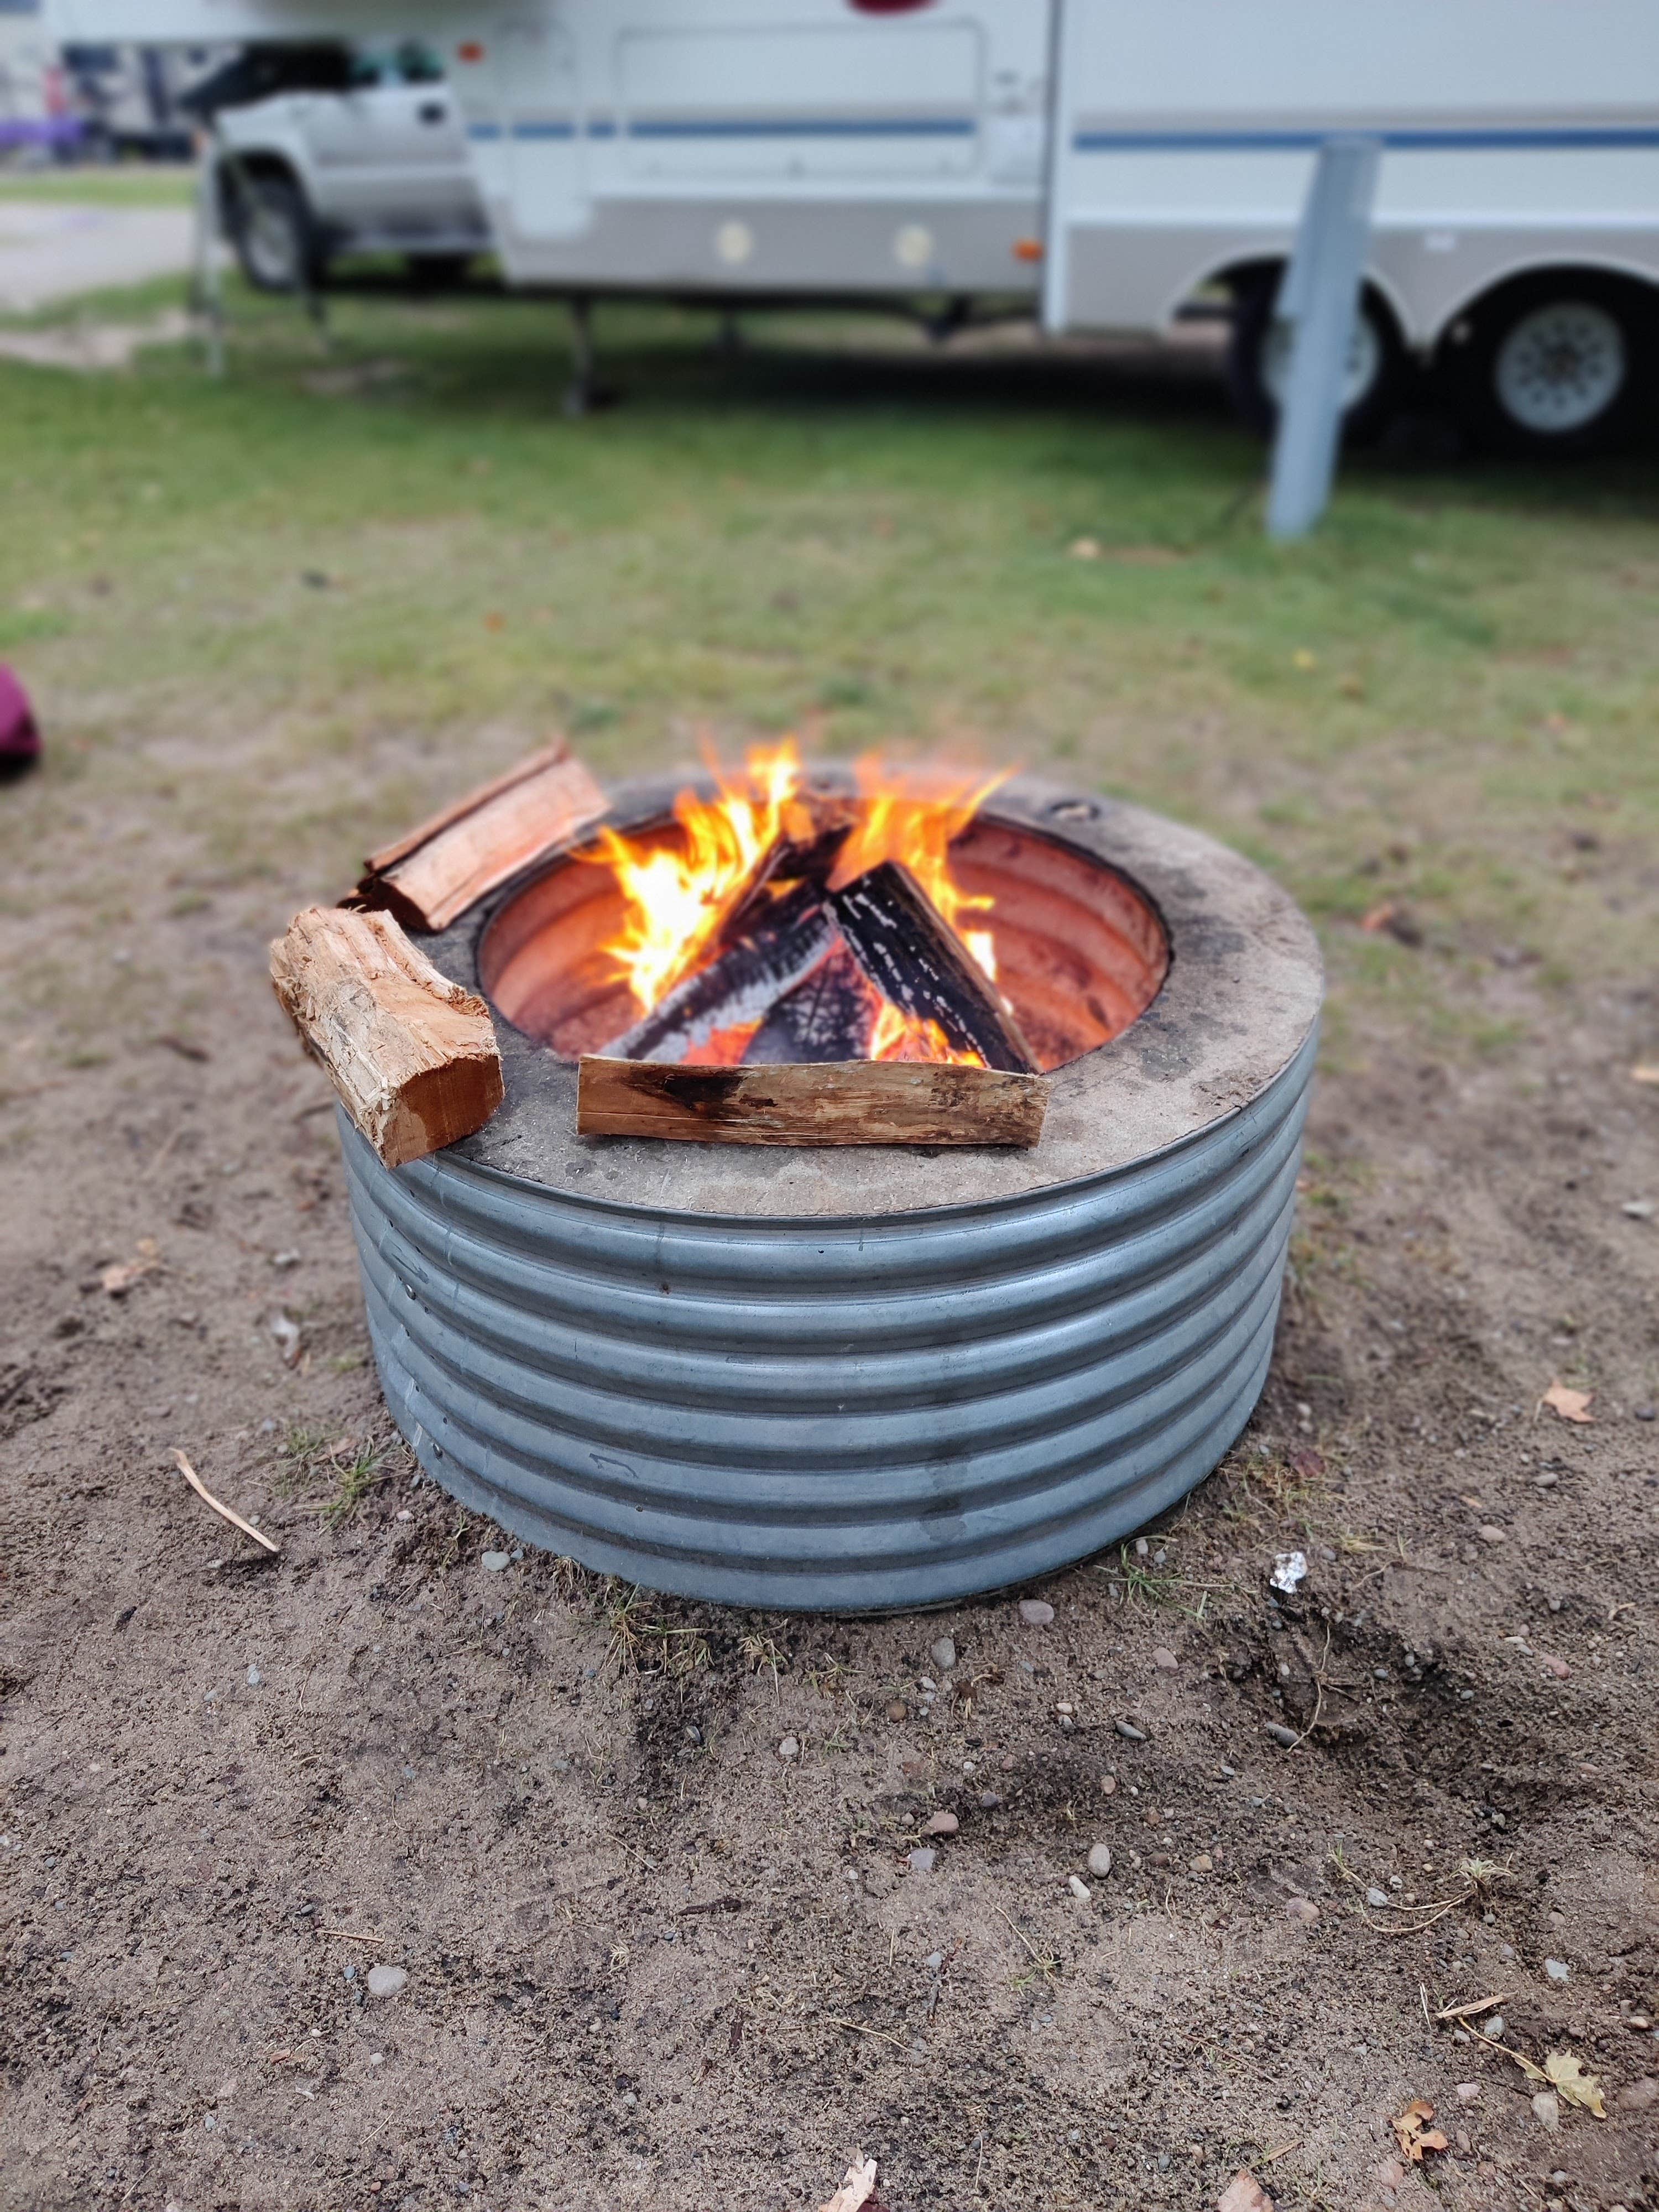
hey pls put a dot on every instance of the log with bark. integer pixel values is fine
(914, 958)
(861, 1102)
(430, 877)
(412, 1055)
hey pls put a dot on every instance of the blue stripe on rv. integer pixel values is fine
(742, 127)
(1498, 138)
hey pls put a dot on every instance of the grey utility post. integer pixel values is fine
(1319, 299)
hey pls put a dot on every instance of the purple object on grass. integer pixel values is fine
(20, 740)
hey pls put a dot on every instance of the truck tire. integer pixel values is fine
(274, 231)
(1258, 362)
(1558, 363)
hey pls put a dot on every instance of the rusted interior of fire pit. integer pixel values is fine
(1080, 951)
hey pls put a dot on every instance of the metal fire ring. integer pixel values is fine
(862, 1379)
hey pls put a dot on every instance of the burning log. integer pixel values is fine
(915, 960)
(858, 1102)
(827, 1017)
(412, 1055)
(781, 938)
(433, 875)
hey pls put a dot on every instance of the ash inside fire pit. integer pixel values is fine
(830, 922)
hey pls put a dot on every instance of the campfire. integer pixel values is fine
(777, 954)
(789, 925)
(796, 914)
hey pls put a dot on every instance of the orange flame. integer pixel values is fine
(899, 1035)
(676, 900)
(915, 822)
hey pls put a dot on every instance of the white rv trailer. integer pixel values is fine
(1101, 162)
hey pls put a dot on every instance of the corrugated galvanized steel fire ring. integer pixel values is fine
(857, 1378)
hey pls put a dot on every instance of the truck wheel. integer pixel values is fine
(1553, 365)
(1259, 364)
(274, 234)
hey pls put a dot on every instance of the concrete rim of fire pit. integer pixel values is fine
(1240, 997)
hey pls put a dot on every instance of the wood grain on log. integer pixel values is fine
(911, 953)
(433, 875)
(860, 1102)
(412, 1055)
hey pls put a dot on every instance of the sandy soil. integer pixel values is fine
(649, 1960)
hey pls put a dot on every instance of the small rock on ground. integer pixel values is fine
(386, 1981)
(1286, 1738)
(1557, 1970)
(789, 1748)
(944, 1655)
(493, 1562)
(1164, 1660)
(920, 1860)
(1079, 1888)
(1303, 1910)
(1100, 1860)
(1546, 2110)
(941, 1824)
(1035, 1611)
(1127, 1730)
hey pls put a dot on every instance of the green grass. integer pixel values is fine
(286, 612)
(136, 184)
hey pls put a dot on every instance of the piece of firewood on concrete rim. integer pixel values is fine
(853, 1102)
(430, 877)
(412, 1055)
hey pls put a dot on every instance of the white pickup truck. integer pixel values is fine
(363, 152)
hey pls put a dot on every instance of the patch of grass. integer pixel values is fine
(148, 184)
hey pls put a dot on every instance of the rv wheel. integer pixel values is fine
(1258, 363)
(270, 226)
(1552, 365)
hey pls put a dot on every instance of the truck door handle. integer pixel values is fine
(434, 111)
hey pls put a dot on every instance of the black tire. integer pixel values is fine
(1556, 364)
(1252, 375)
(434, 273)
(274, 231)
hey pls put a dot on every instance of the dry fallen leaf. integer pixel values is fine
(119, 1280)
(1569, 1405)
(1244, 2193)
(1414, 2135)
(858, 2188)
(1568, 2076)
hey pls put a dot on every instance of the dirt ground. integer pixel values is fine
(645, 1960)
(649, 1960)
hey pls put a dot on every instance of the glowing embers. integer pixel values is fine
(792, 925)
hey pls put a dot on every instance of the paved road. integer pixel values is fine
(53, 250)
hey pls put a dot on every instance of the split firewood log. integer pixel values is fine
(430, 877)
(912, 955)
(412, 1055)
(860, 1102)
